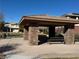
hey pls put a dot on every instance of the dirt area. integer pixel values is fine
(22, 47)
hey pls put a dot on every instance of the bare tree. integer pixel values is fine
(1, 21)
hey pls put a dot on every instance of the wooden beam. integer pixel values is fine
(51, 31)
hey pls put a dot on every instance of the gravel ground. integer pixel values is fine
(24, 50)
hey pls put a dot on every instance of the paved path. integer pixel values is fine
(17, 56)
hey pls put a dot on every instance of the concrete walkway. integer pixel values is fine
(21, 57)
(22, 48)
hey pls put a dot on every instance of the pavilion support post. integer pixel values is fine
(69, 34)
(33, 35)
(25, 32)
(51, 31)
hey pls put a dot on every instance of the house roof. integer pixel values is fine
(72, 14)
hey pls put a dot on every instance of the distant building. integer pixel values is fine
(74, 16)
(11, 27)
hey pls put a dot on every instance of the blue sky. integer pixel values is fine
(14, 9)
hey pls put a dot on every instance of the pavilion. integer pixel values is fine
(31, 23)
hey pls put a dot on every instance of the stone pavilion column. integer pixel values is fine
(51, 31)
(25, 32)
(33, 35)
(69, 34)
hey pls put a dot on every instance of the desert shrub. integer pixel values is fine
(10, 35)
(76, 37)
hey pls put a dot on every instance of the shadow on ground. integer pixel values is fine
(53, 40)
(42, 39)
(9, 49)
